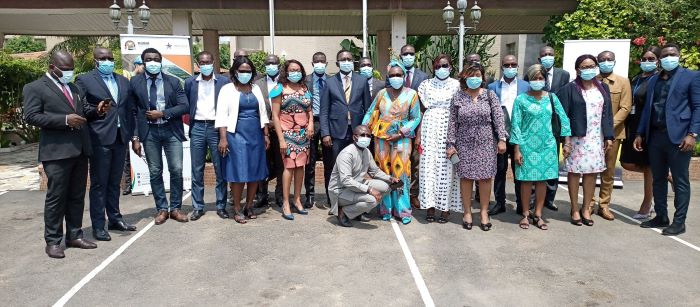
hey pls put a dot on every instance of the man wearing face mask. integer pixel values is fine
(274, 161)
(621, 97)
(316, 83)
(56, 106)
(367, 71)
(344, 101)
(506, 89)
(669, 129)
(110, 136)
(351, 193)
(203, 92)
(160, 102)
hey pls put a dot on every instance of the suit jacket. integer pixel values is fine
(334, 107)
(103, 130)
(575, 106)
(418, 77)
(262, 84)
(497, 86)
(377, 85)
(192, 92)
(621, 98)
(176, 105)
(682, 105)
(46, 107)
(560, 78)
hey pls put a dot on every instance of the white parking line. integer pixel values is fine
(3, 192)
(66, 297)
(417, 277)
(679, 240)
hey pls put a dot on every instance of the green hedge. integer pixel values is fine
(14, 74)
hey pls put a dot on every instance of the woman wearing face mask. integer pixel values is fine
(631, 159)
(476, 133)
(535, 153)
(243, 136)
(294, 123)
(393, 118)
(589, 108)
(439, 188)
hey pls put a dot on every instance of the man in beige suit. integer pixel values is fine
(350, 191)
(621, 96)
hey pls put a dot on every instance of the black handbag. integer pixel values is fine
(556, 121)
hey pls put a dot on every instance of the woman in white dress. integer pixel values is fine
(439, 188)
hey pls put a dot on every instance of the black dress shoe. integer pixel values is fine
(674, 230)
(261, 202)
(222, 213)
(550, 206)
(656, 222)
(126, 191)
(55, 251)
(121, 226)
(101, 235)
(343, 220)
(196, 214)
(81, 243)
(363, 218)
(308, 205)
(496, 208)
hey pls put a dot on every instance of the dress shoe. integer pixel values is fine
(55, 251)
(101, 235)
(496, 208)
(126, 191)
(415, 203)
(81, 243)
(222, 213)
(196, 214)
(161, 217)
(551, 206)
(261, 202)
(606, 214)
(363, 218)
(177, 215)
(674, 230)
(656, 222)
(343, 220)
(121, 226)
(321, 206)
(303, 211)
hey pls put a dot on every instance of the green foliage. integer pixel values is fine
(225, 56)
(14, 74)
(81, 48)
(479, 44)
(258, 59)
(23, 44)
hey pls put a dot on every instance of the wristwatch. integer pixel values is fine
(136, 138)
(694, 135)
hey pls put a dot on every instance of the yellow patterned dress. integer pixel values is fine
(387, 117)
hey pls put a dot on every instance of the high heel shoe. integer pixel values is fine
(302, 211)
(585, 221)
(485, 227)
(467, 226)
(289, 217)
(250, 213)
(576, 222)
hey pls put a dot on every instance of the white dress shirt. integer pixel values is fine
(508, 93)
(271, 83)
(206, 107)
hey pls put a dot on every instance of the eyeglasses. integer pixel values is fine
(511, 65)
(366, 135)
(443, 66)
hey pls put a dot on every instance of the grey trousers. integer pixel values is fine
(356, 203)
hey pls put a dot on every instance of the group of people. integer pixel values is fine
(405, 143)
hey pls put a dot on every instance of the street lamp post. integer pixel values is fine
(448, 14)
(115, 13)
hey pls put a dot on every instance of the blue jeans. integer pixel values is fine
(665, 156)
(202, 136)
(161, 139)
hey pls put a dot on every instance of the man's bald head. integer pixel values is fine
(272, 59)
(361, 129)
(240, 53)
(61, 60)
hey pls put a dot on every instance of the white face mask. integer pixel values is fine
(363, 142)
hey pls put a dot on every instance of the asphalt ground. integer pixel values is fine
(313, 262)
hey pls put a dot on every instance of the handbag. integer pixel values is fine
(556, 121)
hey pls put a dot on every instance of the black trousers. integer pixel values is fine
(499, 182)
(106, 165)
(65, 198)
(310, 169)
(275, 168)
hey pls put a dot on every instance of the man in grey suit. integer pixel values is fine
(350, 192)
(315, 83)
(367, 71)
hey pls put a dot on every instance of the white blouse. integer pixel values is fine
(227, 108)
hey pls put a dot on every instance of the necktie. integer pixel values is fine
(348, 85)
(153, 95)
(408, 79)
(321, 84)
(68, 96)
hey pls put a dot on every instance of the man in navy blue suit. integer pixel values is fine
(160, 103)
(669, 127)
(202, 92)
(110, 136)
(344, 101)
(506, 89)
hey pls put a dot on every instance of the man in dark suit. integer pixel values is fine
(274, 160)
(56, 106)
(316, 83)
(160, 103)
(367, 71)
(202, 92)
(344, 102)
(110, 136)
(669, 127)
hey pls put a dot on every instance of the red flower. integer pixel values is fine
(640, 41)
(662, 40)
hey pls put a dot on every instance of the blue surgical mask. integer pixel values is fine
(606, 67)
(67, 76)
(396, 82)
(408, 60)
(153, 67)
(272, 70)
(244, 77)
(474, 82)
(648, 66)
(670, 63)
(363, 142)
(367, 72)
(588, 74)
(537, 85)
(320, 68)
(294, 76)
(442, 73)
(547, 61)
(510, 72)
(105, 67)
(346, 66)
(207, 69)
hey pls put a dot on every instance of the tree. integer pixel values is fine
(479, 44)
(225, 56)
(14, 74)
(23, 44)
(81, 48)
